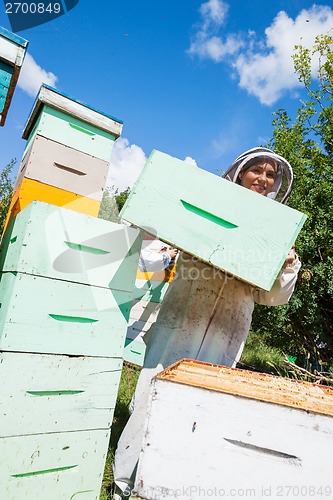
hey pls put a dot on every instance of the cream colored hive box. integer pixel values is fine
(63, 167)
(236, 433)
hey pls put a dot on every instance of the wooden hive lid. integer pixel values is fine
(54, 98)
(22, 42)
(259, 386)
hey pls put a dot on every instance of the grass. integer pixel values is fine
(259, 356)
(127, 385)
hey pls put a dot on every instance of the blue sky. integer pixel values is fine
(194, 79)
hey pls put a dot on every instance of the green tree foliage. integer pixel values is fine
(112, 203)
(6, 192)
(305, 326)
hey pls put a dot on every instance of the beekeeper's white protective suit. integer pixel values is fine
(205, 315)
(152, 256)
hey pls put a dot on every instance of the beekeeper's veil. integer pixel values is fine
(284, 175)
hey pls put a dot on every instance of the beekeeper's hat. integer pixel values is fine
(284, 175)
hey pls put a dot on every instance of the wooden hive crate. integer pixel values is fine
(56, 466)
(46, 240)
(61, 317)
(12, 52)
(57, 393)
(72, 123)
(221, 223)
(149, 291)
(148, 296)
(211, 428)
(63, 167)
(30, 190)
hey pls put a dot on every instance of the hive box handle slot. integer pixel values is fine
(81, 129)
(72, 319)
(85, 248)
(69, 169)
(208, 215)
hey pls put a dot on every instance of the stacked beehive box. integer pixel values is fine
(66, 291)
(12, 52)
(66, 288)
(149, 291)
(67, 155)
(213, 431)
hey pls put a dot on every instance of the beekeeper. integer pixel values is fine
(156, 255)
(206, 314)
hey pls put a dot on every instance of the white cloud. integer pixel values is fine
(205, 44)
(191, 161)
(263, 67)
(32, 76)
(126, 163)
(213, 12)
(269, 74)
(213, 48)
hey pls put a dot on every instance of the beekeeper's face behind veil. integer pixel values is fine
(262, 171)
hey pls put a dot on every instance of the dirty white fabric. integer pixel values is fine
(205, 315)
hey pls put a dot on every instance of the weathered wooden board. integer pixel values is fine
(67, 125)
(54, 242)
(30, 190)
(56, 393)
(52, 316)
(12, 52)
(63, 167)
(221, 223)
(60, 466)
(214, 428)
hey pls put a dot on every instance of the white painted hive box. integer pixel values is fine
(221, 223)
(211, 428)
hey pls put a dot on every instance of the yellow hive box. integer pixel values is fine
(30, 190)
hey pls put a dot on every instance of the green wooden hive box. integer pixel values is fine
(45, 315)
(54, 242)
(57, 393)
(12, 52)
(72, 123)
(221, 223)
(53, 466)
